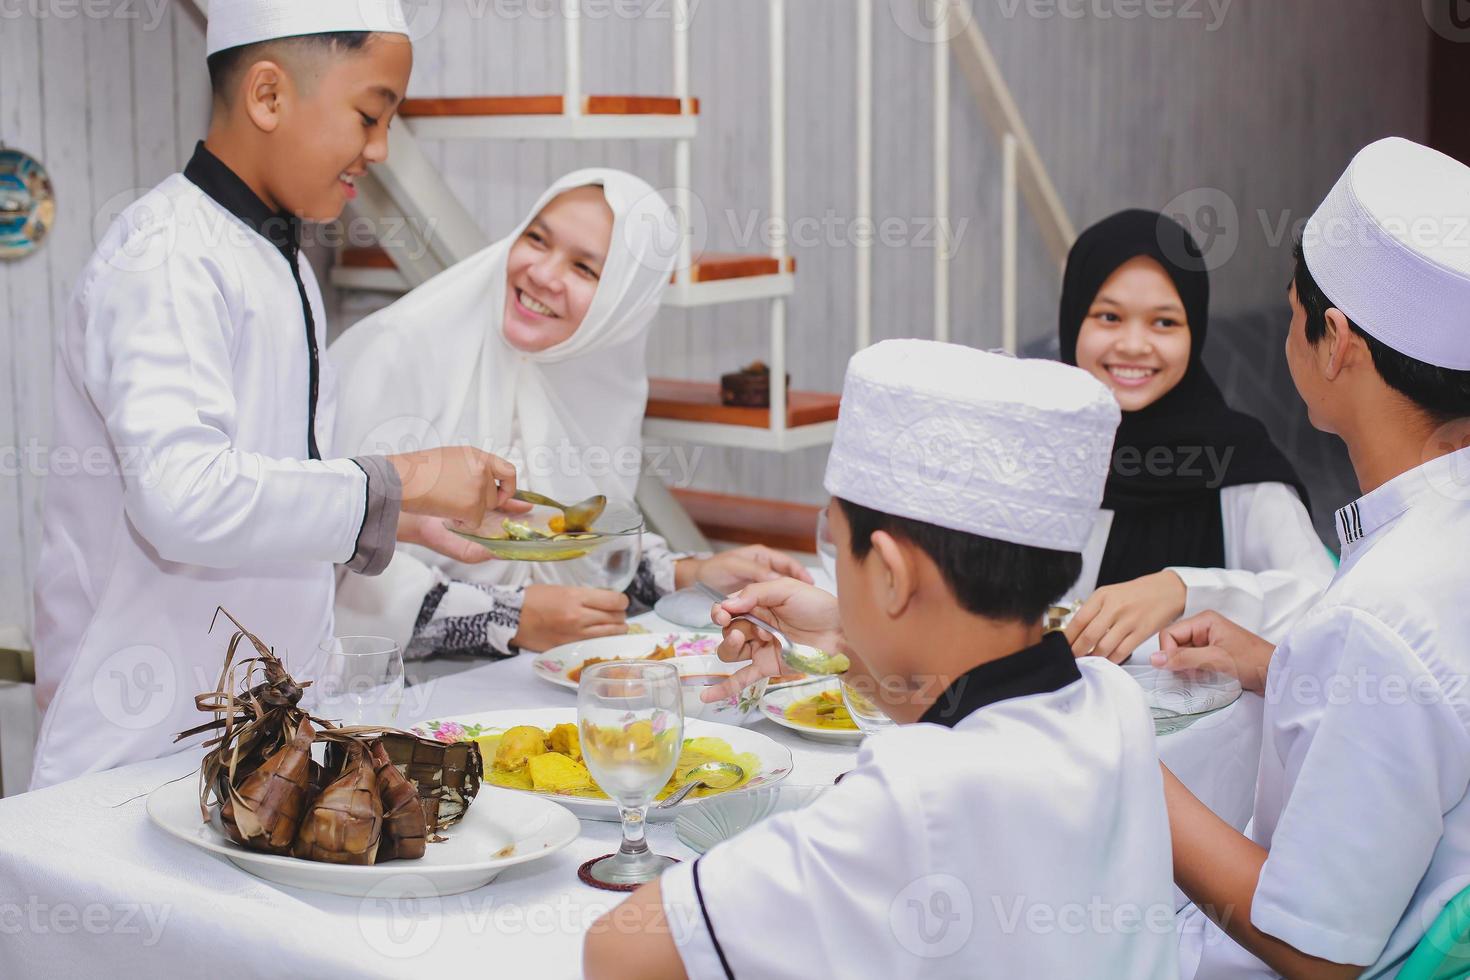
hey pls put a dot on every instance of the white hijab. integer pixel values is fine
(434, 369)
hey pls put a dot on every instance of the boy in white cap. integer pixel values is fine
(189, 374)
(1010, 825)
(1361, 830)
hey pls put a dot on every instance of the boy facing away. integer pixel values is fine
(1013, 823)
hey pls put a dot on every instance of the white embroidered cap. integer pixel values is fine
(1390, 246)
(1016, 450)
(236, 22)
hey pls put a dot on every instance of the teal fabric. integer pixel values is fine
(1444, 952)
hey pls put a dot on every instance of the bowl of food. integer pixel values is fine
(699, 672)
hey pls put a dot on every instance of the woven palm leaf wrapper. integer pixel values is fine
(345, 823)
(405, 829)
(379, 795)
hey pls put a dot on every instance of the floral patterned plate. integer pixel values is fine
(775, 758)
(556, 664)
(778, 702)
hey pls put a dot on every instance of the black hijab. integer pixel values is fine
(1172, 458)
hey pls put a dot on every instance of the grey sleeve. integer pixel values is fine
(378, 536)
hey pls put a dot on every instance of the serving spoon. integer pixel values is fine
(578, 516)
(715, 775)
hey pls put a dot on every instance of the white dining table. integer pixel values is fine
(89, 887)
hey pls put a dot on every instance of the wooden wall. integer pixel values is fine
(1264, 104)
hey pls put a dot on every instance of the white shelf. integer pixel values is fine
(682, 296)
(740, 436)
(553, 127)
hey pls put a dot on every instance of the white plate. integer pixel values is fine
(1177, 701)
(532, 827)
(687, 607)
(779, 700)
(774, 757)
(555, 664)
(716, 820)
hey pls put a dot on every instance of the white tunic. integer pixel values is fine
(1275, 564)
(1366, 757)
(182, 380)
(1028, 841)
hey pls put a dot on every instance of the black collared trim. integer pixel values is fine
(1048, 666)
(212, 176)
(708, 925)
(1357, 521)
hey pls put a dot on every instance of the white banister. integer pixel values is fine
(778, 210)
(999, 108)
(681, 54)
(941, 170)
(1008, 244)
(684, 148)
(864, 216)
(572, 39)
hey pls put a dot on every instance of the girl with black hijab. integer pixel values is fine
(1201, 511)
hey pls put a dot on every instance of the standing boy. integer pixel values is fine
(190, 360)
(1010, 826)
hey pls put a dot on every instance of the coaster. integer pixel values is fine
(585, 873)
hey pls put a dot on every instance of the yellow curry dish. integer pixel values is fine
(825, 711)
(536, 760)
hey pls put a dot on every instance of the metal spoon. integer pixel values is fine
(806, 660)
(725, 774)
(578, 516)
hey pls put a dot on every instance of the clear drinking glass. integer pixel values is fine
(612, 565)
(866, 713)
(826, 547)
(631, 719)
(361, 681)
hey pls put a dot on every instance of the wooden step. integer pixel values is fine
(699, 401)
(544, 105)
(752, 520)
(709, 267)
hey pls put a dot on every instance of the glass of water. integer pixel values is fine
(826, 547)
(631, 719)
(867, 711)
(361, 681)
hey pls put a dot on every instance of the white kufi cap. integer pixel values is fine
(1391, 248)
(236, 22)
(1016, 450)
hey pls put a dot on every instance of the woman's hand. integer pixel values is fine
(1209, 641)
(805, 613)
(732, 570)
(1119, 617)
(555, 614)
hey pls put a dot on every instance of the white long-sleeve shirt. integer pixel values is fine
(1275, 564)
(187, 388)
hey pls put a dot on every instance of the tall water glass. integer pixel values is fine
(631, 719)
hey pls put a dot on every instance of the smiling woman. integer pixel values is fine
(1201, 509)
(554, 267)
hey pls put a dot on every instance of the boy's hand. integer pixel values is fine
(457, 482)
(1117, 618)
(1209, 641)
(805, 613)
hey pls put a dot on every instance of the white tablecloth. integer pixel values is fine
(89, 887)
